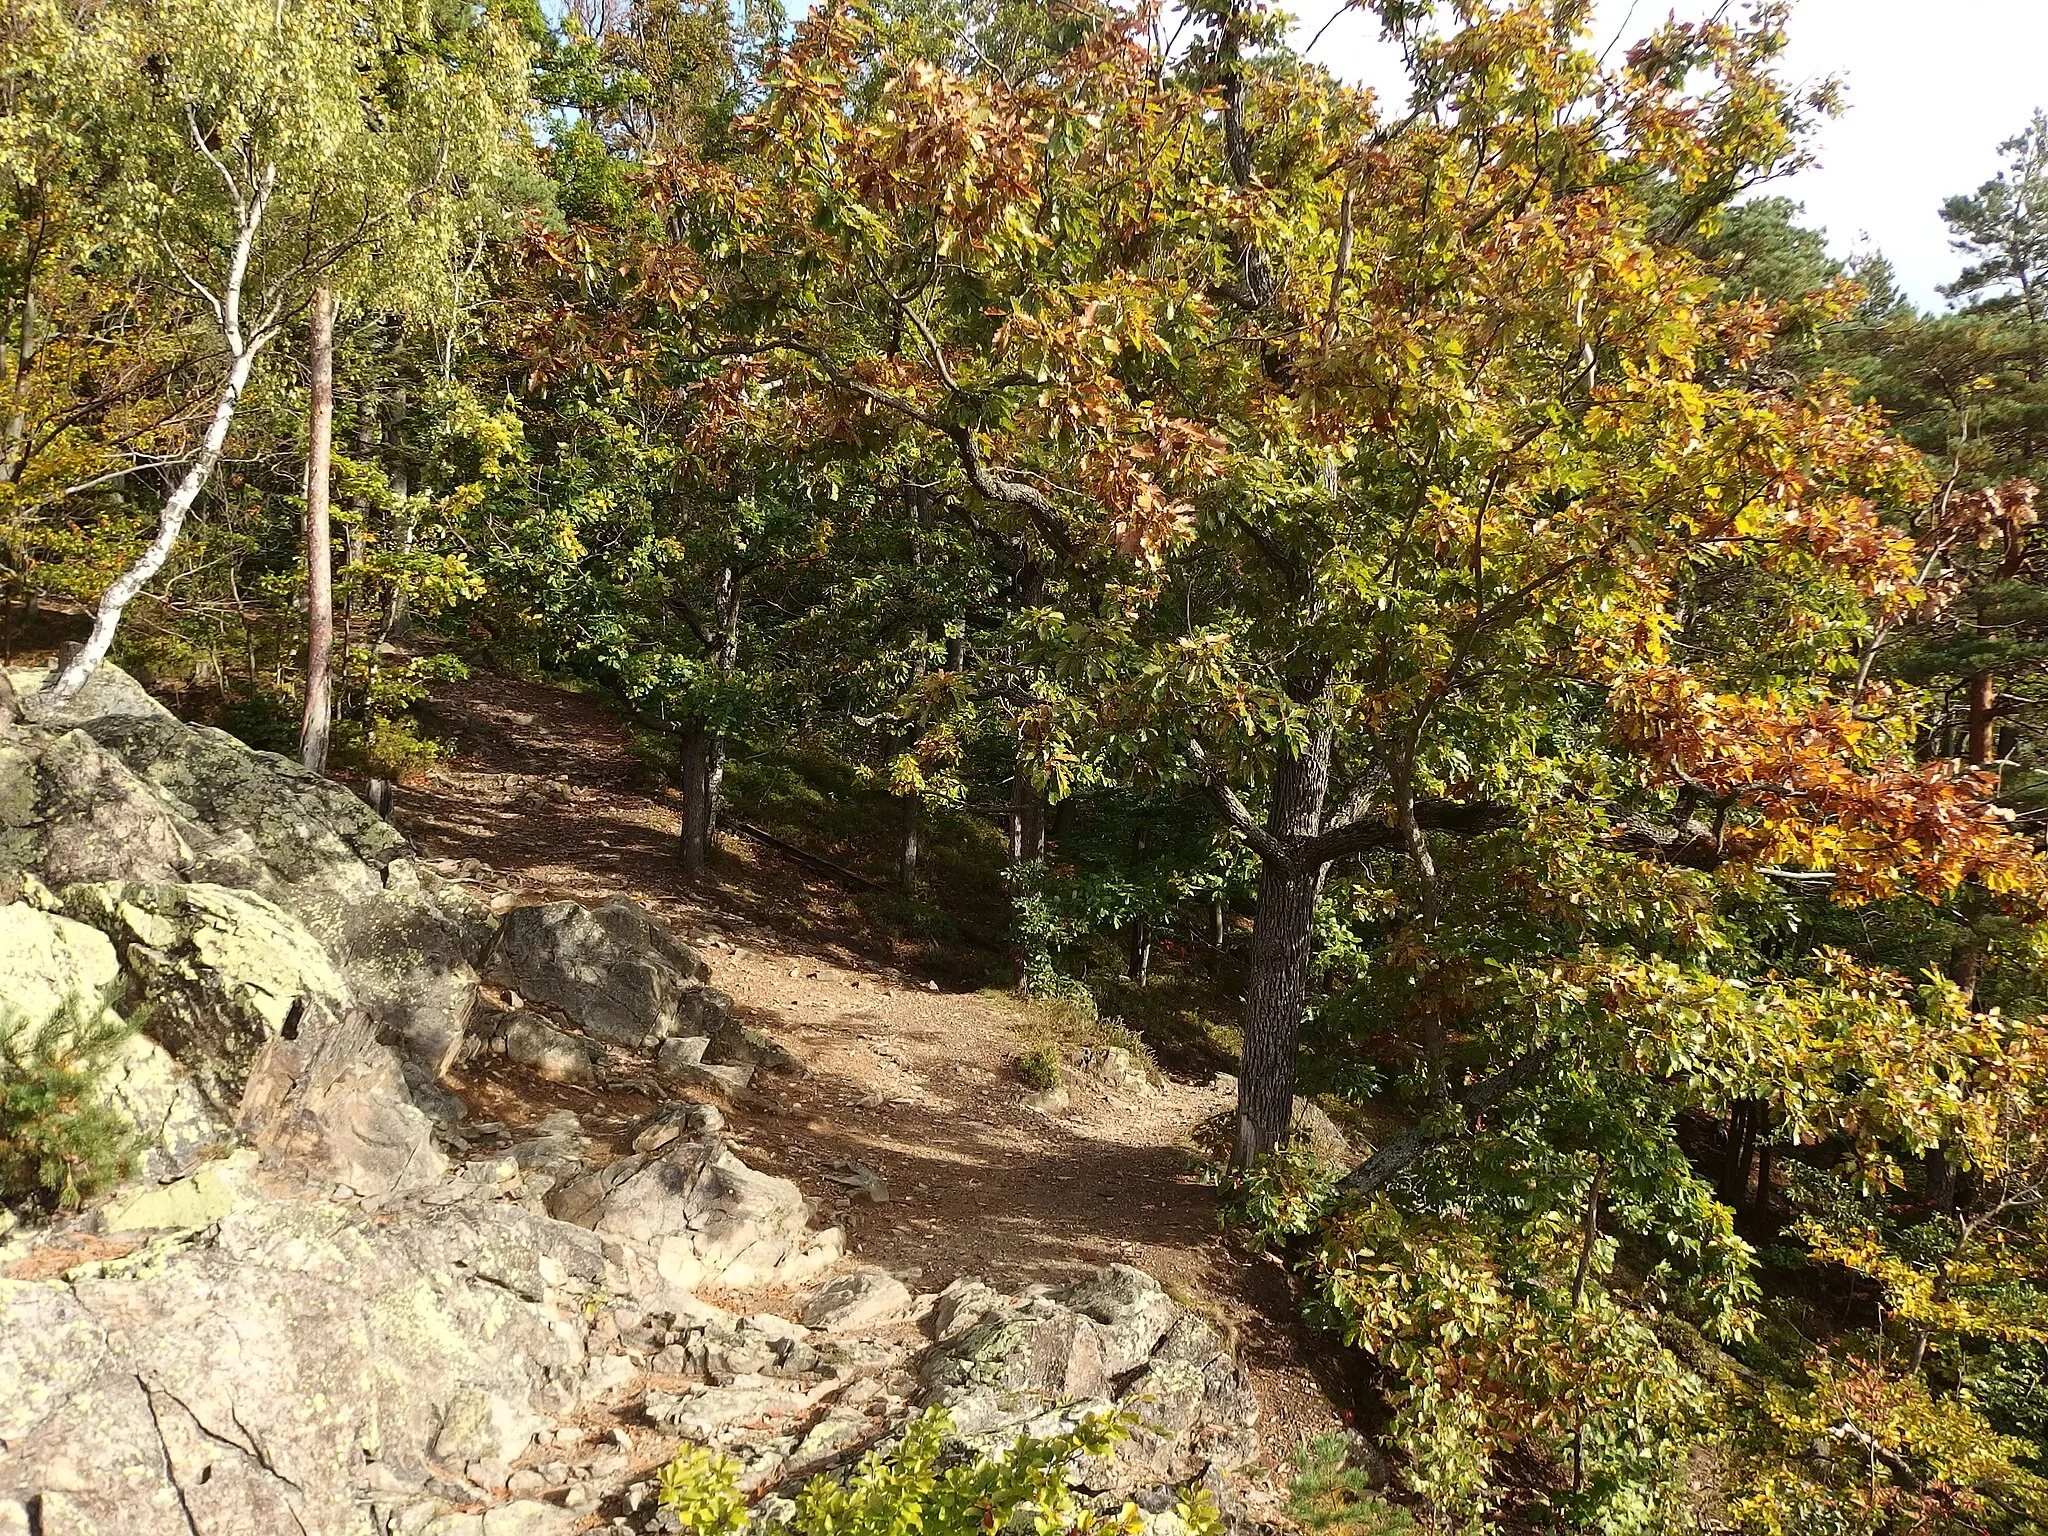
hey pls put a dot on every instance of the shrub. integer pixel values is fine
(391, 748)
(700, 1488)
(59, 1144)
(1039, 1068)
(921, 1485)
(1327, 1496)
(266, 719)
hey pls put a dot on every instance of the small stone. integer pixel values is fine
(577, 1498)
(527, 1482)
(1052, 1101)
(638, 1495)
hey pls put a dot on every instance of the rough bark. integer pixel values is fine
(702, 755)
(1027, 819)
(315, 727)
(1983, 705)
(1277, 967)
(906, 862)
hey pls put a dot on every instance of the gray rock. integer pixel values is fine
(732, 1081)
(735, 1044)
(232, 1384)
(682, 1050)
(1322, 1136)
(860, 1299)
(705, 1215)
(1116, 1069)
(532, 1042)
(1055, 1100)
(406, 940)
(692, 1121)
(615, 970)
(56, 974)
(963, 1304)
(265, 1031)
(114, 790)
(1035, 1363)
(218, 973)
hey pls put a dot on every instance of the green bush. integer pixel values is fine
(392, 748)
(923, 1485)
(1325, 1495)
(1039, 1068)
(700, 1488)
(59, 1144)
(267, 719)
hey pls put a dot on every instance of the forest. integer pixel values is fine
(1464, 602)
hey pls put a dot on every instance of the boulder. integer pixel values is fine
(115, 789)
(1115, 1069)
(614, 970)
(677, 1121)
(864, 1298)
(706, 1215)
(531, 1042)
(678, 1059)
(250, 1026)
(218, 973)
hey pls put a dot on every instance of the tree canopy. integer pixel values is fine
(1550, 656)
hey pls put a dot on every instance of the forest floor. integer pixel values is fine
(910, 1070)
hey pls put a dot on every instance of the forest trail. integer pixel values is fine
(907, 1076)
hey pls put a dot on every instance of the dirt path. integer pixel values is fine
(906, 1079)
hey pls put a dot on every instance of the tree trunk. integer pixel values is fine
(314, 728)
(397, 602)
(1941, 1182)
(1140, 963)
(703, 760)
(703, 765)
(906, 867)
(1027, 819)
(114, 602)
(1983, 702)
(1276, 968)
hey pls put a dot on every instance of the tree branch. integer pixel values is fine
(1377, 1171)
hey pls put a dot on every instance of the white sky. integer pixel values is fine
(1933, 87)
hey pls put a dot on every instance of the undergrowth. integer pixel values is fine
(923, 1485)
(59, 1143)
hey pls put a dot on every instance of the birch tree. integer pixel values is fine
(252, 154)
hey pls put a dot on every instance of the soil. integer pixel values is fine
(907, 1075)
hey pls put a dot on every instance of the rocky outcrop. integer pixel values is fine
(116, 790)
(56, 975)
(1041, 1361)
(304, 1367)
